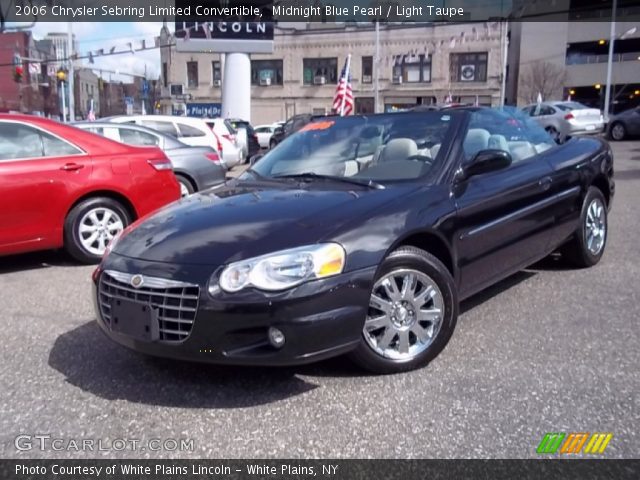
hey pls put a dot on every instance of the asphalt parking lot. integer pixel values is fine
(547, 350)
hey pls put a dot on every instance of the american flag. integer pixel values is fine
(343, 99)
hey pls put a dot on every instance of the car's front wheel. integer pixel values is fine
(91, 225)
(412, 313)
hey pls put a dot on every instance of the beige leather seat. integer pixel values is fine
(396, 149)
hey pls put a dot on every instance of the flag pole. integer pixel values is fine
(346, 78)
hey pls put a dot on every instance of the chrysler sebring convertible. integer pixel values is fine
(356, 235)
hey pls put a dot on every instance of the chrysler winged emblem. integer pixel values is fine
(137, 281)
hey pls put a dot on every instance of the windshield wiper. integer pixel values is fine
(335, 178)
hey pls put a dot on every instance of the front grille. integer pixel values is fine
(176, 302)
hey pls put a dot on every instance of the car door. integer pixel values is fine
(503, 217)
(38, 172)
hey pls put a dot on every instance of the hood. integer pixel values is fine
(240, 220)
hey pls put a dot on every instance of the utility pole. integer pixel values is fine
(505, 53)
(70, 79)
(376, 66)
(612, 39)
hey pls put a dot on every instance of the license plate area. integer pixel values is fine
(136, 320)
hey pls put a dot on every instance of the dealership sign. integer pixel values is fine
(225, 36)
(210, 110)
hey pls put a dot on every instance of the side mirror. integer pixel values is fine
(255, 158)
(487, 161)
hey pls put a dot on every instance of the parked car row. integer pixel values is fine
(196, 168)
(563, 119)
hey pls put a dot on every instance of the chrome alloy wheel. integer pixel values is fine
(97, 228)
(184, 191)
(405, 314)
(595, 226)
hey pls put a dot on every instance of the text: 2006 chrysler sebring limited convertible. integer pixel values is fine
(357, 234)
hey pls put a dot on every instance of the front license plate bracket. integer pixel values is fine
(137, 320)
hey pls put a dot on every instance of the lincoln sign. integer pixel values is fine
(224, 36)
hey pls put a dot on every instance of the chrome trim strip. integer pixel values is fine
(149, 282)
(523, 211)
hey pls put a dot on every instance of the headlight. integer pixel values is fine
(285, 269)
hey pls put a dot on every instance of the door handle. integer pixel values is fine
(545, 183)
(71, 167)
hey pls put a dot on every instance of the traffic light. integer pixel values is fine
(61, 75)
(18, 73)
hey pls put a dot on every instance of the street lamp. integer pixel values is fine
(612, 39)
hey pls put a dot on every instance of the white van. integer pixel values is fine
(189, 130)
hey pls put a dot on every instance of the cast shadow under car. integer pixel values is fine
(92, 363)
(36, 260)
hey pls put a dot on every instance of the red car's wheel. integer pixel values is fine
(91, 225)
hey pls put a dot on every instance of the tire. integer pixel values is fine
(581, 251)
(186, 186)
(617, 131)
(554, 133)
(80, 223)
(272, 144)
(426, 269)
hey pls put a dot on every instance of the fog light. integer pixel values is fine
(276, 337)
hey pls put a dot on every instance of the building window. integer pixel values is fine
(367, 69)
(318, 71)
(216, 72)
(165, 74)
(192, 74)
(413, 69)
(625, 50)
(365, 105)
(266, 72)
(469, 67)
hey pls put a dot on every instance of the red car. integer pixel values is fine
(64, 187)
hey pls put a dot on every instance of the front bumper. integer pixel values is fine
(319, 319)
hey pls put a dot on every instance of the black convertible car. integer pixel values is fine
(356, 235)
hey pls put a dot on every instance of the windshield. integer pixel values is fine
(379, 148)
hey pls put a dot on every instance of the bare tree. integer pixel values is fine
(544, 78)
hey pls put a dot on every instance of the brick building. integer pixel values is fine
(37, 91)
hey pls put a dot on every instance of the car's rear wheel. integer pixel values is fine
(91, 225)
(617, 131)
(587, 246)
(412, 313)
(186, 187)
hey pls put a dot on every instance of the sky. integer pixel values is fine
(92, 36)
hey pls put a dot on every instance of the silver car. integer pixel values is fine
(196, 168)
(561, 119)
